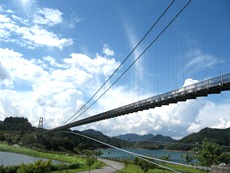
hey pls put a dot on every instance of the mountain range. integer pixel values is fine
(149, 137)
(219, 136)
(14, 125)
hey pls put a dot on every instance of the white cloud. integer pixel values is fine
(107, 51)
(3, 72)
(194, 127)
(37, 36)
(47, 16)
(133, 41)
(216, 114)
(20, 68)
(46, 88)
(189, 81)
(33, 34)
(199, 61)
(52, 61)
(60, 89)
(4, 18)
(98, 65)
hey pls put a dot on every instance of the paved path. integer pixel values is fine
(111, 166)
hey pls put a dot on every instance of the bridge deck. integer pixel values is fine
(203, 88)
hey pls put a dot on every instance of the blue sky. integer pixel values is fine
(54, 55)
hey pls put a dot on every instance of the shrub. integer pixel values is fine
(38, 167)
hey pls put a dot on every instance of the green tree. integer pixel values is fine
(28, 138)
(38, 167)
(2, 137)
(165, 157)
(208, 153)
(145, 165)
(224, 158)
(90, 158)
(136, 161)
(188, 157)
(126, 161)
(97, 153)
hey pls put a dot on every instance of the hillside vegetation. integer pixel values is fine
(218, 136)
(18, 130)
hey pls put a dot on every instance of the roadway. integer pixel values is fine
(111, 166)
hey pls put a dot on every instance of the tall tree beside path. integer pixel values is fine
(210, 153)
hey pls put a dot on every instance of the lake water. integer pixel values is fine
(175, 156)
(7, 158)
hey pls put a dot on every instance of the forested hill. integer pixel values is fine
(149, 137)
(15, 127)
(219, 136)
(16, 123)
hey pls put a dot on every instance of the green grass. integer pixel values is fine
(30, 152)
(132, 168)
(52, 156)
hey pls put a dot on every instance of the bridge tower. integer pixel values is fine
(40, 123)
(40, 126)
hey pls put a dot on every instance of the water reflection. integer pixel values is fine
(7, 159)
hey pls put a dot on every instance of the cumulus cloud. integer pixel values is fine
(216, 114)
(3, 72)
(97, 65)
(56, 90)
(45, 88)
(36, 36)
(189, 81)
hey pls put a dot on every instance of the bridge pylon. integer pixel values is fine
(40, 126)
(40, 123)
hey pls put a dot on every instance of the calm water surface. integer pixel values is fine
(7, 158)
(175, 156)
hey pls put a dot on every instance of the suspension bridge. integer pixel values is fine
(203, 88)
(210, 86)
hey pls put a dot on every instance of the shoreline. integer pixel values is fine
(52, 156)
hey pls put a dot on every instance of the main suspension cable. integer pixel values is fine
(155, 23)
(135, 60)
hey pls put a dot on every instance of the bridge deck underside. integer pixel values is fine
(203, 88)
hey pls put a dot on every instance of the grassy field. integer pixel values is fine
(52, 156)
(132, 168)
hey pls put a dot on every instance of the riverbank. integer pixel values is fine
(53, 156)
(31, 152)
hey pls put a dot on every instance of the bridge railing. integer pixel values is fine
(226, 78)
(172, 95)
(190, 89)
